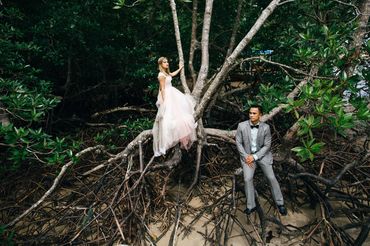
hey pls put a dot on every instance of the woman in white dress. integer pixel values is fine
(174, 122)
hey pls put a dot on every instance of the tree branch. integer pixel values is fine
(291, 95)
(193, 41)
(121, 109)
(235, 28)
(55, 183)
(143, 137)
(203, 72)
(329, 182)
(179, 45)
(226, 67)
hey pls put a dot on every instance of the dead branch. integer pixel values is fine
(298, 71)
(131, 147)
(55, 183)
(100, 124)
(122, 109)
(328, 182)
(235, 91)
(291, 95)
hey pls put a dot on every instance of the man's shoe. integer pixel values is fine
(248, 211)
(282, 210)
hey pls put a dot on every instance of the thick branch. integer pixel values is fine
(235, 28)
(226, 67)
(193, 41)
(143, 137)
(228, 136)
(179, 45)
(203, 72)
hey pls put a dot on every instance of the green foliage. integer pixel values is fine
(271, 95)
(133, 127)
(119, 4)
(320, 36)
(27, 145)
(6, 236)
(307, 124)
(309, 149)
(26, 103)
(27, 100)
(363, 112)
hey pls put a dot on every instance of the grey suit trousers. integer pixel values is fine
(248, 173)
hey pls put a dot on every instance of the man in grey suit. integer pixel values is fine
(253, 141)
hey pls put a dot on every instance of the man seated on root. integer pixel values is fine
(253, 141)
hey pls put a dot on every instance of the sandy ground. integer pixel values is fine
(237, 238)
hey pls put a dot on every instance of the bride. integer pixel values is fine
(174, 122)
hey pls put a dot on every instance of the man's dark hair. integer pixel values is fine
(257, 106)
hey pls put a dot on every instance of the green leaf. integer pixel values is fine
(315, 148)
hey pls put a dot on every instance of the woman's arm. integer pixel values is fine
(162, 85)
(173, 74)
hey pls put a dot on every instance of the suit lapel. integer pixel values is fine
(249, 135)
(260, 135)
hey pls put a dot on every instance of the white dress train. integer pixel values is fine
(174, 122)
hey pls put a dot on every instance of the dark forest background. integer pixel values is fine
(63, 64)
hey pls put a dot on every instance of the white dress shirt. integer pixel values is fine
(254, 132)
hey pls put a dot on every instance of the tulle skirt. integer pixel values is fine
(174, 122)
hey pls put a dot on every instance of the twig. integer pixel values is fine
(329, 182)
(117, 223)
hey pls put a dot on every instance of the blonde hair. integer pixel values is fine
(160, 68)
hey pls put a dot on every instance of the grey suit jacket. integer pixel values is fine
(243, 140)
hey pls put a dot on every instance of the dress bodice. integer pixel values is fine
(168, 78)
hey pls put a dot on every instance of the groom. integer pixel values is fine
(253, 141)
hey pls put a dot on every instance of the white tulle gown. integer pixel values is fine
(174, 122)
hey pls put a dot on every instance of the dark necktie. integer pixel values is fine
(254, 126)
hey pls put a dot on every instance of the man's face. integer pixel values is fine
(254, 115)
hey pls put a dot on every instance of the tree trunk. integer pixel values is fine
(358, 35)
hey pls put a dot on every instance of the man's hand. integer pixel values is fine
(249, 160)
